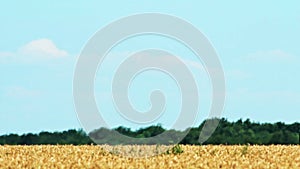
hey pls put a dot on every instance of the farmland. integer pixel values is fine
(208, 156)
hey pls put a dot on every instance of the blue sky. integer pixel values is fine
(257, 42)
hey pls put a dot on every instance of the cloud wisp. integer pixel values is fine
(276, 55)
(34, 51)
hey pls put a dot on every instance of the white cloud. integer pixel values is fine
(270, 56)
(34, 51)
(42, 48)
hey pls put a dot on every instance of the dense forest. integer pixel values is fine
(239, 132)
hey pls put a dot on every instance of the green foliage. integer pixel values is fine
(244, 150)
(175, 150)
(227, 133)
(75, 137)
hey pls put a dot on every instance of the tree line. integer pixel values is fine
(230, 133)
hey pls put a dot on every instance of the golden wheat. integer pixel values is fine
(274, 156)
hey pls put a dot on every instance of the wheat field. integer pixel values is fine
(92, 156)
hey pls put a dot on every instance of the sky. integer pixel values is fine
(40, 41)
